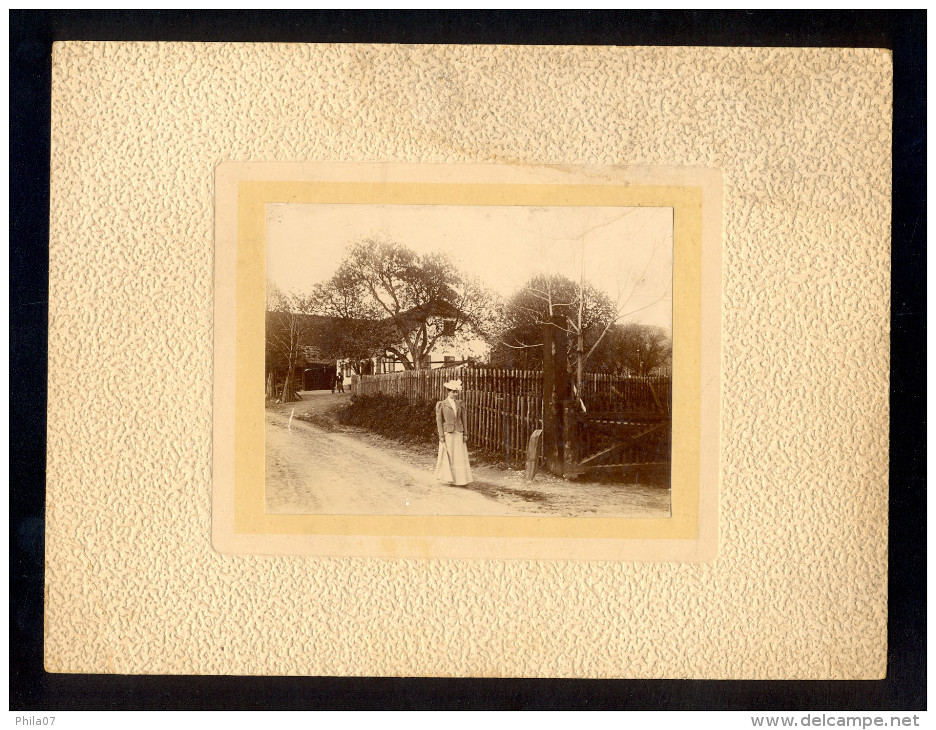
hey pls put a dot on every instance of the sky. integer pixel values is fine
(627, 253)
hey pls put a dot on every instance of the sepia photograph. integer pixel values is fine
(474, 360)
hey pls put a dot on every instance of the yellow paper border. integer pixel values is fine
(245, 516)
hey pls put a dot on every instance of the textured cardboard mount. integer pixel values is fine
(798, 587)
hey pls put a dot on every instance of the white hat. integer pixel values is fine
(453, 385)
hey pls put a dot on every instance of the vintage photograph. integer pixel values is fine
(468, 360)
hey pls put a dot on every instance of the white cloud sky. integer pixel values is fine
(628, 252)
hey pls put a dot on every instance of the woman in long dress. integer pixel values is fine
(452, 466)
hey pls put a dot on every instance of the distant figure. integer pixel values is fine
(339, 383)
(452, 466)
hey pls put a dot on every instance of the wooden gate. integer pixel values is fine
(625, 441)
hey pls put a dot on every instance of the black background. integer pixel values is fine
(31, 36)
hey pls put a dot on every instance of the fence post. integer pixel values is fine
(570, 433)
(506, 438)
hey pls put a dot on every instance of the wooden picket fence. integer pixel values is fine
(505, 406)
(502, 423)
(603, 392)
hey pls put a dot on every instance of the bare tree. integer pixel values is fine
(622, 308)
(284, 335)
(518, 340)
(589, 317)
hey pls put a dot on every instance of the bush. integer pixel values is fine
(391, 416)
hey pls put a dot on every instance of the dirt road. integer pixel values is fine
(314, 470)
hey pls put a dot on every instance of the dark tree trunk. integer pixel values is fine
(555, 391)
(289, 387)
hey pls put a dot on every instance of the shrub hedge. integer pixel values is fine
(392, 416)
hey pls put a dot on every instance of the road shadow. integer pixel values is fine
(499, 491)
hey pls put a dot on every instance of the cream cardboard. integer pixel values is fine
(798, 588)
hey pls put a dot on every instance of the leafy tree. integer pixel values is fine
(636, 349)
(350, 327)
(416, 299)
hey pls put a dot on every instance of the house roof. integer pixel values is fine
(410, 319)
(415, 316)
(312, 324)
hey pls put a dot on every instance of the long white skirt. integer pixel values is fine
(452, 466)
